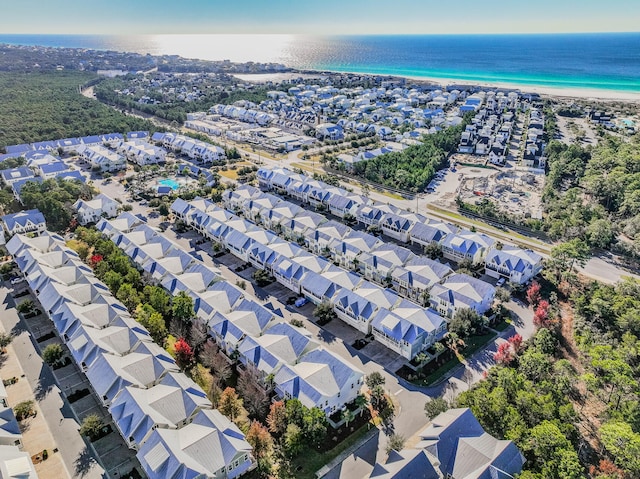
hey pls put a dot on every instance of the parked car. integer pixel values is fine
(501, 281)
(301, 302)
(17, 280)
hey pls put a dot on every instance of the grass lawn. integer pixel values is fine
(395, 196)
(75, 244)
(474, 343)
(311, 461)
(231, 174)
(502, 325)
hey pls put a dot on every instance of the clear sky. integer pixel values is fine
(317, 16)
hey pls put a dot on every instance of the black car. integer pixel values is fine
(291, 300)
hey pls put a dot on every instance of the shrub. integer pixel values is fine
(52, 353)
(92, 426)
(23, 410)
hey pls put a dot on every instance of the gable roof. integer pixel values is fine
(22, 219)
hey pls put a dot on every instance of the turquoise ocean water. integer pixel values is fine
(609, 61)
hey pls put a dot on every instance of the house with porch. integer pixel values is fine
(516, 265)
(466, 245)
(461, 291)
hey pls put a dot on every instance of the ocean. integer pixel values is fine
(606, 61)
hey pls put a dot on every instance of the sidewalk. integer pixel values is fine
(36, 435)
(57, 420)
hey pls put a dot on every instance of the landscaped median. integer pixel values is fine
(472, 345)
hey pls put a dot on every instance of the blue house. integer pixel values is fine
(354, 309)
(211, 446)
(12, 175)
(29, 221)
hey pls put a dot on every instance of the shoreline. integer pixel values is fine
(548, 91)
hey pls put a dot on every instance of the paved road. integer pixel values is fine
(409, 398)
(76, 456)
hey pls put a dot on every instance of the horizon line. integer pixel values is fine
(322, 35)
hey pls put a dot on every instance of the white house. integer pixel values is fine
(141, 152)
(103, 158)
(460, 291)
(30, 221)
(90, 211)
(515, 264)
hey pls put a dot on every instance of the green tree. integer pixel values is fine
(153, 321)
(324, 312)
(129, 296)
(395, 443)
(503, 295)
(293, 439)
(92, 426)
(465, 321)
(347, 416)
(26, 306)
(158, 298)
(565, 256)
(52, 353)
(314, 425)
(83, 251)
(113, 280)
(623, 444)
(182, 307)
(5, 340)
(374, 379)
(23, 410)
(552, 453)
(600, 233)
(435, 406)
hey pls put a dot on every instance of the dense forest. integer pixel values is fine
(594, 193)
(570, 397)
(55, 199)
(48, 106)
(413, 168)
(166, 105)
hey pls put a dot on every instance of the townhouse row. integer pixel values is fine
(160, 412)
(290, 361)
(403, 326)
(414, 277)
(515, 264)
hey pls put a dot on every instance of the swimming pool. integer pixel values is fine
(173, 184)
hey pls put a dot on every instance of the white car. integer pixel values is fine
(17, 280)
(501, 281)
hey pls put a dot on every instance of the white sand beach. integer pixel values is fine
(559, 92)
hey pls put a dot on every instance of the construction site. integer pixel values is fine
(515, 192)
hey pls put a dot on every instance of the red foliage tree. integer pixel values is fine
(184, 353)
(516, 342)
(541, 315)
(607, 469)
(533, 294)
(504, 354)
(95, 260)
(277, 418)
